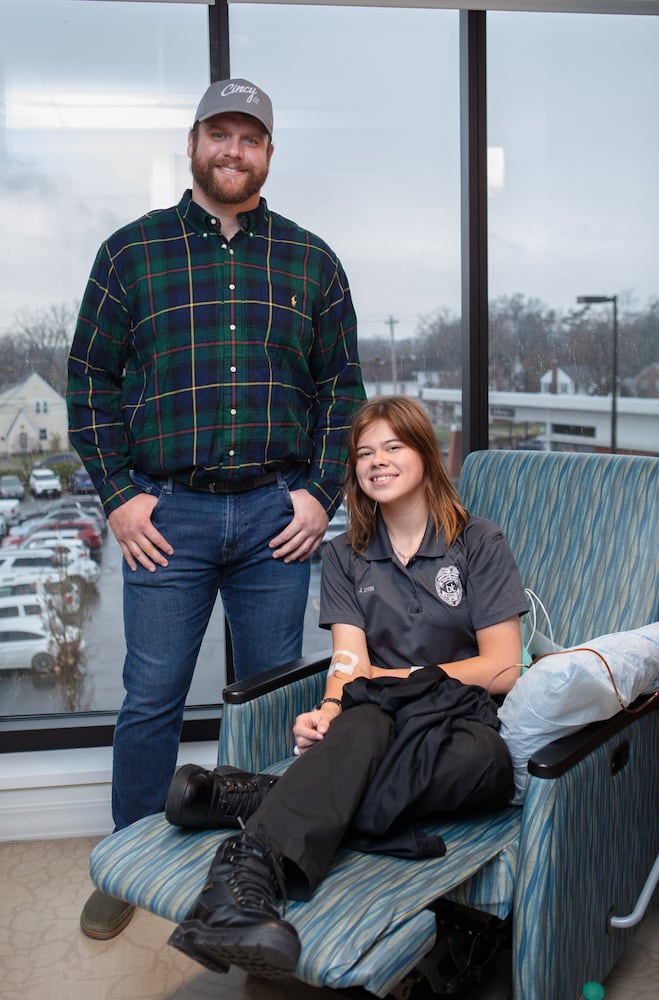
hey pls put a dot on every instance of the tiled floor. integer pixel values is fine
(43, 955)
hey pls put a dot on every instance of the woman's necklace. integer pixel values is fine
(401, 555)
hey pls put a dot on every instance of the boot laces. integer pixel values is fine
(235, 796)
(257, 876)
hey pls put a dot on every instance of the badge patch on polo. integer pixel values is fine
(448, 586)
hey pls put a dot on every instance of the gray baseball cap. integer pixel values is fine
(238, 96)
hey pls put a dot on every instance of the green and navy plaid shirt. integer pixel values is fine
(202, 358)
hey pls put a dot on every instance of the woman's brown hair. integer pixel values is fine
(411, 424)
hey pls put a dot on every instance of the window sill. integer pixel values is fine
(66, 793)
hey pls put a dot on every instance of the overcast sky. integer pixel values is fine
(96, 99)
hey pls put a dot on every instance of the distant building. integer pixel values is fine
(33, 418)
(647, 382)
(567, 381)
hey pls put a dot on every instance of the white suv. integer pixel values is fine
(29, 644)
(44, 483)
(46, 563)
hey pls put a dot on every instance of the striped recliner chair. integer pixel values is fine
(584, 531)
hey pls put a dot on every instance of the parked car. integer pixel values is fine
(30, 605)
(29, 644)
(47, 563)
(75, 507)
(80, 482)
(11, 488)
(10, 509)
(62, 593)
(48, 538)
(72, 554)
(92, 501)
(86, 529)
(35, 562)
(44, 483)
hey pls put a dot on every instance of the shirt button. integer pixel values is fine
(233, 369)
(233, 412)
(213, 222)
(232, 453)
(231, 252)
(232, 287)
(224, 246)
(232, 326)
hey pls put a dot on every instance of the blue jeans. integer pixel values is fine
(220, 543)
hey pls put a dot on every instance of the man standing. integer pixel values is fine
(212, 380)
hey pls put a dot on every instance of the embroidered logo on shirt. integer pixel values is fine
(448, 586)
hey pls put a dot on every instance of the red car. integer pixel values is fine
(88, 532)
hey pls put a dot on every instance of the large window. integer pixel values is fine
(97, 98)
(573, 230)
(96, 135)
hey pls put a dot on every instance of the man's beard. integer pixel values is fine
(225, 190)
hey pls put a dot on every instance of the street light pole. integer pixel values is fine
(589, 300)
(391, 322)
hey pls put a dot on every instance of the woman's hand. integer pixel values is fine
(312, 726)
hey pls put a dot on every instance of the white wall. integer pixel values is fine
(66, 793)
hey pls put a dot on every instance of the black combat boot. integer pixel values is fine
(208, 800)
(235, 920)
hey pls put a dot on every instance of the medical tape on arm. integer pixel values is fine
(337, 662)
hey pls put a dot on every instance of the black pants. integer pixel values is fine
(404, 750)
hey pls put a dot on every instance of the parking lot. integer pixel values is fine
(100, 686)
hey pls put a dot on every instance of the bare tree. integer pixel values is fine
(39, 341)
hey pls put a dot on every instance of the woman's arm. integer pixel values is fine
(497, 666)
(350, 659)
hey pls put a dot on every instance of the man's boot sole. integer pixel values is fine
(217, 948)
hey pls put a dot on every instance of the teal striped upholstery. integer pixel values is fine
(584, 531)
(365, 906)
(259, 733)
(589, 839)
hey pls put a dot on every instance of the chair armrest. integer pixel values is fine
(270, 680)
(259, 713)
(558, 757)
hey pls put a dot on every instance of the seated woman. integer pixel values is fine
(423, 601)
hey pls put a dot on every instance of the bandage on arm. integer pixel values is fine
(344, 661)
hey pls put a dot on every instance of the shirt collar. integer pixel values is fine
(203, 222)
(379, 547)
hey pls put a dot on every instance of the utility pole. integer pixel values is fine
(391, 322)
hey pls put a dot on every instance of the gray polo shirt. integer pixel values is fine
(429, 611)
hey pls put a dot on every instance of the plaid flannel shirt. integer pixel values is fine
(202, 358)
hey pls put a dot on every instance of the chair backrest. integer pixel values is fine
(583, 529)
